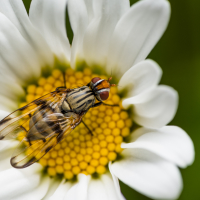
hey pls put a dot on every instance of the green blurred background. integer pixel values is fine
(178, 54)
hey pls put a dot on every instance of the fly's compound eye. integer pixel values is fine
(94, 80)
(104, 95)
(101, 88)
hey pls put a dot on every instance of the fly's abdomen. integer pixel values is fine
(80, 99)
(40, 127)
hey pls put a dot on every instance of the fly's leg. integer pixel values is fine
(64, 80)
(105, 104)
(87, 128)
(113, 105)
(97, 104)
(28, 140)
(23, 129)
(62, 87)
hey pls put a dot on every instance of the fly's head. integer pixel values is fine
(101, 88)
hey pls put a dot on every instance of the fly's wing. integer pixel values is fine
(28, 153)
(12, 125)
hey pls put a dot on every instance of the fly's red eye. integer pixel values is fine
(104, 95)
(94, 80)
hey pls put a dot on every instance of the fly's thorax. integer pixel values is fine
(79, 100)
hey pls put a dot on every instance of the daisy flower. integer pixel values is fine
(131, 142)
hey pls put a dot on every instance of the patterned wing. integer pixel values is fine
(14, 124)
(28, 152)
(39, 126)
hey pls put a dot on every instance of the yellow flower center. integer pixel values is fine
(81, 152)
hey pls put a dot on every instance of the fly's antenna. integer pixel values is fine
(118, 86)
(109, 79)
(111, 85)
(111, 73)
(64, 79)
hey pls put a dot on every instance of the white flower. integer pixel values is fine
(118, 38)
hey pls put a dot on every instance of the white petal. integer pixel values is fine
(79, 190)
(16, 12)
(49, 18)
(10, 79)
(17, 57)
(7, 145)
(170, 142)
(5, 163)
(136, 34)
(3, 145)
(7, 104)
(6, 150)
(116, 183)
(15, 182)
(61, 191)
(98, 34)
(36, 193)
(141, 77)
(54, 184)
(148, 174)
(68, 190)
(154, 108)
(79, 20)
(90, 10)
(102, 188)
(10, 87)
(3, 114)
